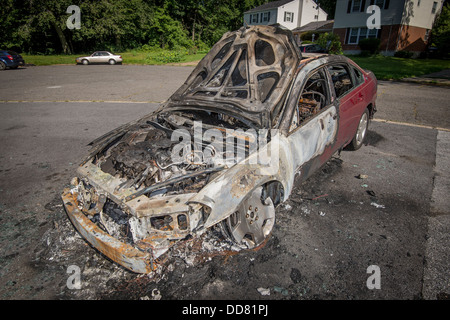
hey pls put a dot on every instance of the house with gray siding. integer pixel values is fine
(404, 24)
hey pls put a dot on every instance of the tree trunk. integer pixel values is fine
(193, 29)
(118, 43)
(62, 38)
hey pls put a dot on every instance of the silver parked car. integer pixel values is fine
(100, 57)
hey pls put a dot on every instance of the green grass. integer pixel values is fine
(155, 57)
(392, 68)
(41, 60)
(385, 68)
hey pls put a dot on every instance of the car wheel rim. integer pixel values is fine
(362, 129)
(252, 223)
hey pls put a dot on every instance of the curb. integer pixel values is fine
(437, 82)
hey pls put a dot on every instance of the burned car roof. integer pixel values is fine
(248, 72)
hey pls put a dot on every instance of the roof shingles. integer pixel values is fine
(269, 5)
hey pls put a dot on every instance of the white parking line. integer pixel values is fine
(436, 278)
(79, 101)
(411, 124)
(440, 203)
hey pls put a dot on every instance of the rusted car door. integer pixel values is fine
(314, 125)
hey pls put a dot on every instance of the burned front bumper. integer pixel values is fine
(124, 254)
(146, 228)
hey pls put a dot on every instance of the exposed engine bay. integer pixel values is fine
(144, 154)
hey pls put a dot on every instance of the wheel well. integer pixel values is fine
(275, 191)
(371, 110)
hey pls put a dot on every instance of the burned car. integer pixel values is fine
(222, 151)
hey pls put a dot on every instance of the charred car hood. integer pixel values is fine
(248, 72)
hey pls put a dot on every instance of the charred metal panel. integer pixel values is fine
(248, 71)
(124, 254)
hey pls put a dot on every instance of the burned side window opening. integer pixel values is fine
(314, 97)
(341, 79)
(359, 77)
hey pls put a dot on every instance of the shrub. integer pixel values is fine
(371, 45)
(365, 53)
(170, 56)
(403, 54)
(331, 42)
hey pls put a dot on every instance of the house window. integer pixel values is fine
(356, 5)
(380, 3)
(372, 33)
(254, 18)
(265, 17)
(356, 34)
(433, 11)
(288, 17)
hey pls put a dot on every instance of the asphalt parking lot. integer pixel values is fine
(331, 230)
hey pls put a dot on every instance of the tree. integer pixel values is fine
(44, 16)
(39, 26)
(329, 6)
(441, 32)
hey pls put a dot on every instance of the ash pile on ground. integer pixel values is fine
(62, 247)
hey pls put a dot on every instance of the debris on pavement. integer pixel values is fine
(264, 291)
(371, 193)
(378, 206)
